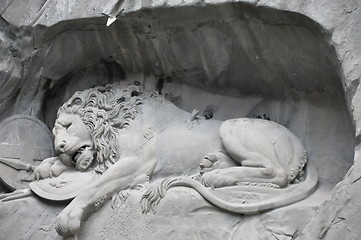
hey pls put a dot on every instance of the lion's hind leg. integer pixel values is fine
(252, 167)
(241, 175)
(249, 146)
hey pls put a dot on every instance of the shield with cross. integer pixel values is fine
(24, 142)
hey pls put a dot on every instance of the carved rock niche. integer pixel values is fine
(228, 60)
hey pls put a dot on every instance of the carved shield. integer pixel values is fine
(64, 187)
(24, 141)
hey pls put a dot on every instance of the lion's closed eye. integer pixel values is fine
(62, 124)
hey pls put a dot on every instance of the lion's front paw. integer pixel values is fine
(68, 221)
(49, 168)
(44, 169)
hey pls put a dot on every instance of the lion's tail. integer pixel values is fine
(298, 192)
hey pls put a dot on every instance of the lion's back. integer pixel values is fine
(181, 144)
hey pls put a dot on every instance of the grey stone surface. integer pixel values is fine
(252, 55)
(174, 218)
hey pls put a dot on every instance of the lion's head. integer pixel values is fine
(100, 111)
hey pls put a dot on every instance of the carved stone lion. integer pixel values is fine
(130, 137)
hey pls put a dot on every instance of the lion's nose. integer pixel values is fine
(60, 148)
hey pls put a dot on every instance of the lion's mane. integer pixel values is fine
(104, 112)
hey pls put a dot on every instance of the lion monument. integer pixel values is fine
(127, 136)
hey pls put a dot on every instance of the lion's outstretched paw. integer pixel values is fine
(43, 170)
(49, 169)
(68, 221)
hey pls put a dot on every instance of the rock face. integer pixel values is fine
(298, 63)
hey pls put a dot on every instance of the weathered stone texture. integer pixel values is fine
(297, 65)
